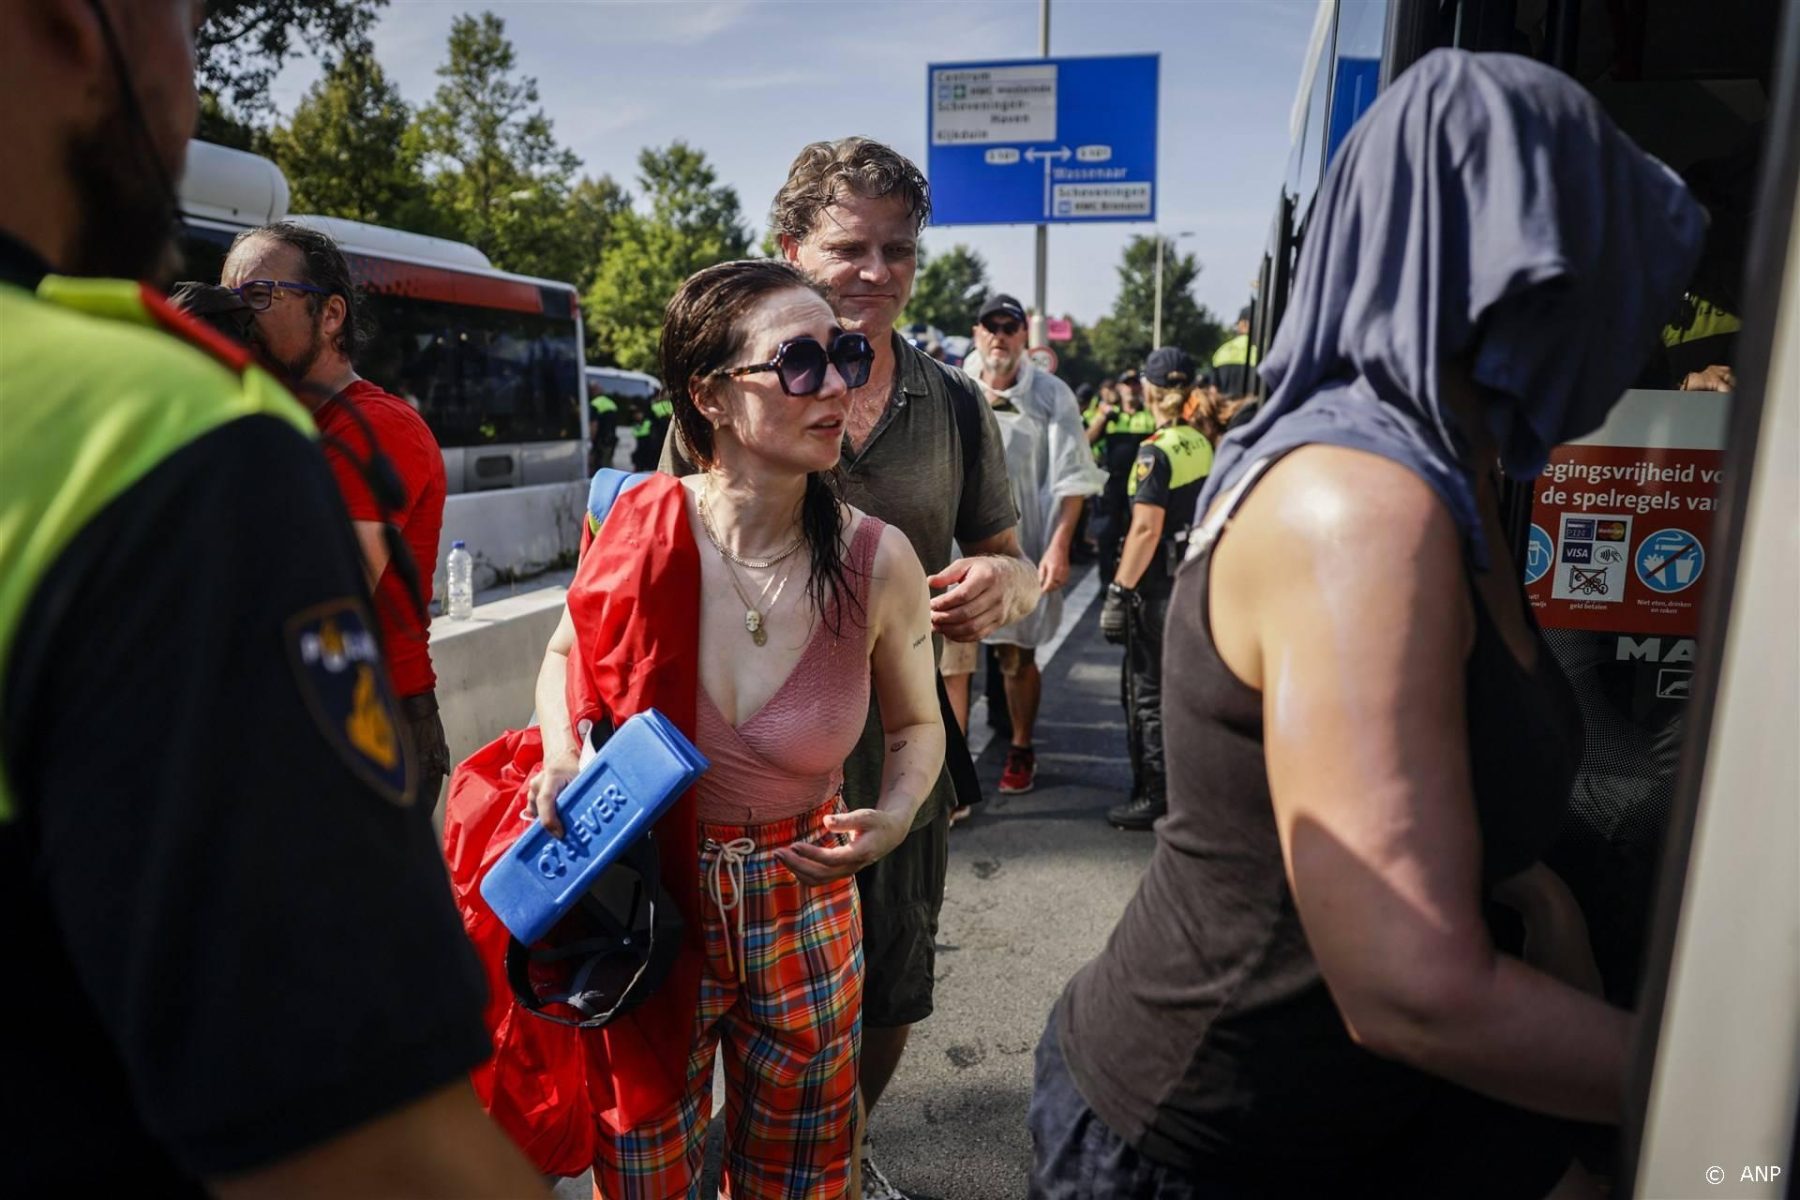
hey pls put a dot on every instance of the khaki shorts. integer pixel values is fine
(902, 894)
(1013, 660)
(958, 658)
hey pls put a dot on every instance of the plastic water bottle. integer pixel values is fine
(460, 567)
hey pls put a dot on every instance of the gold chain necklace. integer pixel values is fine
(754, 564)
(754, 618)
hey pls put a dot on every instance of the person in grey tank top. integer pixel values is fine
(1311, 993)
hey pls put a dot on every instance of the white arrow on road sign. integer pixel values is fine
(1060, 154)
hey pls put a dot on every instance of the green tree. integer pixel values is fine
(948, 290)
(350, 150)
(243, 44)
(1122, 338)
(495, 167)
(594, 207)
(693, 221)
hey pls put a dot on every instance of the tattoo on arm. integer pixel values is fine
(897, 747)
(920, 640)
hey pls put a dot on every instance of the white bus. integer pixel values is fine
(493, 361)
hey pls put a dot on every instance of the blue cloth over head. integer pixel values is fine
(1485, 207)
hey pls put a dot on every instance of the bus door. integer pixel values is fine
(1616, 539)
(1623, 540)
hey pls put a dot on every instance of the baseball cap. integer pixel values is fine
(1128, 375)
(1244, 313)
(1085, 392)
(1001, 304)
(1169, 366)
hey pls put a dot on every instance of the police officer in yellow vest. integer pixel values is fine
(1171, 465)
(1115, 427)
(604, 425)
(235, 962)
(1234, 362)
(651, 430)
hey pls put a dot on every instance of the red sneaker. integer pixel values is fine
(1020, 774)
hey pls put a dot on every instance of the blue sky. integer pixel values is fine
(751, 81)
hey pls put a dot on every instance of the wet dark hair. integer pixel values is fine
(325, 267)
(702, 331)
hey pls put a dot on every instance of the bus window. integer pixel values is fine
(1356, 75)
(1307, 165)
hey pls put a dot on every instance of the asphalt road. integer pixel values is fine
(1036, 883)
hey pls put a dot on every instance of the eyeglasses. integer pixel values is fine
(1001, 328)
(800, 364)
(260, 293)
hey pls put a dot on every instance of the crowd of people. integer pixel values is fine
(252, 978)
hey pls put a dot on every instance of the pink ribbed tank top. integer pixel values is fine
(788, 757)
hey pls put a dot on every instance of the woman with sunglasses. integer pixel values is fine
(804, 602)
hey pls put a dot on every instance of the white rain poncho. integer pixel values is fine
(1048, 460)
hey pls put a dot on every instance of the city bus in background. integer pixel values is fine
(493, 361)
(1659, 557)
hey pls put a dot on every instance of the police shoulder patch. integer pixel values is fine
(338, 667)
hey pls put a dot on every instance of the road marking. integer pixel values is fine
(1075, 606)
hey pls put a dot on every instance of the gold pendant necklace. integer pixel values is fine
(754, 618)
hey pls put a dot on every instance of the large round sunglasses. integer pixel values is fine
(800, 364)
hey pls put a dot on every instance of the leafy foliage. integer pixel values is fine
(594, 206)
(948, 290)
(692, 221)
(243, 44)
(351, 150)
(1122, 339)
(494, 165)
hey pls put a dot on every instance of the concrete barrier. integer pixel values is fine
(487, 667)
(512, 533)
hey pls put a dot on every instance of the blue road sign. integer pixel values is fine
(1540, 554)
(1670, 560)
(1034, 140)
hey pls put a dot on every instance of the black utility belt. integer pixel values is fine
(1172, 548)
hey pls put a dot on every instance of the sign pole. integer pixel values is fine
(1156, 321)
(1043, 231)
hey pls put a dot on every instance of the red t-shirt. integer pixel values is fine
(407, 442)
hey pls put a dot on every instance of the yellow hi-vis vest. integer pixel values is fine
(94, 394)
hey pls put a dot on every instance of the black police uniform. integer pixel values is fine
(228, 935)
(1171, 467)
(1117, 452)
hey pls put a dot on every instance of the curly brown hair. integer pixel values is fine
(824, 171)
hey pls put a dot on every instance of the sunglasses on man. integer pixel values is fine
(259, 294)
(1001, 327)
(800, 364)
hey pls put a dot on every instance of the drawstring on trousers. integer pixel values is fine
(730, 863)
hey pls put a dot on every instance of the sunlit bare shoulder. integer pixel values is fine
(1331, 537)
(1331, 501)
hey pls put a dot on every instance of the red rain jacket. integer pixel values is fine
(635, 603)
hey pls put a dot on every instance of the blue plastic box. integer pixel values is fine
(633, 779)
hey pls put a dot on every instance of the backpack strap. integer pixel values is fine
(609, 484)
(968, 426)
